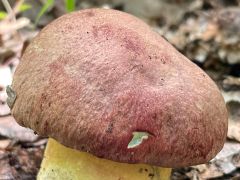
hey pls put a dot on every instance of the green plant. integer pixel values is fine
(3, 15)
(23, 7)
(44, 9)
(69, 7)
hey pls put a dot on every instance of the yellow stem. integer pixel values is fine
(64, 163)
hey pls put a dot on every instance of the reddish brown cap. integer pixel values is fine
(103, 82)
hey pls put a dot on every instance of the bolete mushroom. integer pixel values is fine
(116, 99)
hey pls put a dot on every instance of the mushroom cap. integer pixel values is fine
(95, 78)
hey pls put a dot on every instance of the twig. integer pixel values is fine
(9, 10)
(12, 16)
(16, 7)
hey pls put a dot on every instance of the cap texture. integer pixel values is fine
(93, 79)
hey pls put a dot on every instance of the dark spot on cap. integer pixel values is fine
(132, 44)
(103, 30)
(110, 128)
(163, 60)
(46, 126)
(140, 170)
(151, 175)
(154, 116)
(90, 14)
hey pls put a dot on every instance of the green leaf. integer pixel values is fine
(44, 9)
(25, 7)
(70, 5)
(137, 139)
(3, 14)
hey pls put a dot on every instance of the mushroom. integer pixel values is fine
(116, 100)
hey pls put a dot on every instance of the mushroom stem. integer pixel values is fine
(61, 162)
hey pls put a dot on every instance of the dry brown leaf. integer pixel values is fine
(20, 163)
(229, 19)
(4, 143)
(6, 171)
(210, 32)
(5, 79)
(224, 162)
(5, 76)
(9, 128)
(4, 109)
(234, 121)
(229, 149)
(231, 96)
(234, 130)
(5, 54)
(231, 82)
(236, 160)
(226, 165)
(211, 171)
(6, 26)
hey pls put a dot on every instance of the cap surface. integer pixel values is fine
(93, 78)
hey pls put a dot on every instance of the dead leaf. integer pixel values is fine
(231, 96)
(6, 171)
(233, 56)
(9, 128)
(4, 109)
(229, 149)
(224, 162)
(5, 76)
(234, 130)
(226, 166)
(5, 54)
(6, 26)
(210, 32)
(234, 120)
(4, 144)
(231, 81)
(38, 143)
(236, 160)
(20, 163)
(229, 19)
(211, 171)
